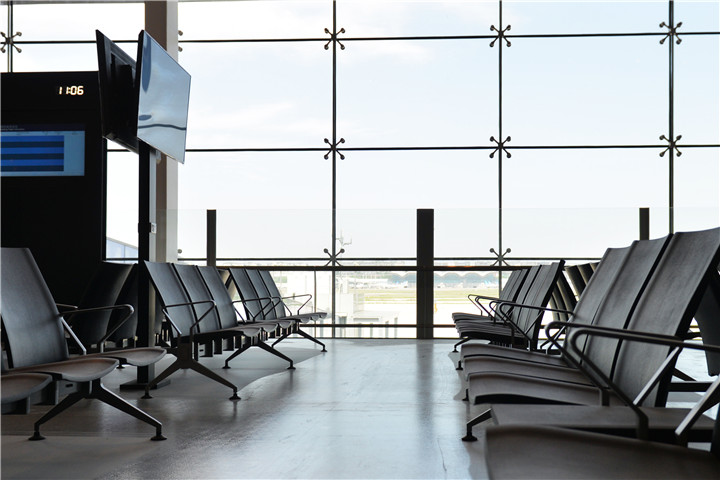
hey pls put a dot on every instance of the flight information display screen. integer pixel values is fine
(42, 150)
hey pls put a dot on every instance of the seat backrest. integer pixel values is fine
(221, 295)
(170, 291)
(102, 290)
(586, 271)
(707, 319)
(511, 289)
(667, 306)
(525, 289)
(270, 303)
(250, 298)
(527, 319)
(198, 292)
(562, 298)
(273, 292)
(621, 297)
(577, 281)
(31, 321)
(128, 296)
(596, 290)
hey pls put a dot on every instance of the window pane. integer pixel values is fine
(269, 204)
(468, 232)
(258, 95)
(383, 18)
(118, 21)
(380, 192)
(578, 203)
(697, 183)
(4, 27)
(377, 300)
(415, 93)
(537, 17)
(244, 20)
(57, 58)
(697, 16)
(451, 295)
(697, 116)
(585, 91)
(122, 197)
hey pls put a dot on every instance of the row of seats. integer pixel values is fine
(198, 309)
(616, 369)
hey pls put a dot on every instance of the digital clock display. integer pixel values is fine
(70, 90)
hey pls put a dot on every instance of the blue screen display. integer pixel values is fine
(42, 150)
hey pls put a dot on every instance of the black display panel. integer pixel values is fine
(60, 218)
(118, 93)
(163, 99)
(42, 150)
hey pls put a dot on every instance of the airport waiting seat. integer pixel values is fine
(282, 309)
(257, 307)
(90, 320)
(585, 311)
(122, 330)
(102, 290)
(517, 287)
(508, 293)
(35, 330)
(265, 286)
(183, 325)
(622, 282)
(561, 453)
(198, 284)
(520, 327)
(621, 370)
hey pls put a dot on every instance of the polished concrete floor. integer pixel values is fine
(363, 409)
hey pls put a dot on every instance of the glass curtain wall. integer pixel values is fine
(534, 129)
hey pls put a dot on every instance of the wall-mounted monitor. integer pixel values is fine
(163, 99)
(118, 93)
(42, 150)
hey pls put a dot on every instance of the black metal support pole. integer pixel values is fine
(425, 274)
(333, 246)
(211, 246)
(146, 251)
(671, 121)
(644, 219)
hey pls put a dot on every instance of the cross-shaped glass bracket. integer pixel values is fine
(500, 257)
(672, 32)
(334, 148)
(334, 37)
(333, 258)
(500, 147)
(672, 145)
(10, 42)
(500, 35)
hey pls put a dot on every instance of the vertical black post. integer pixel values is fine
(671, 120)
(426, 272)
(146, 251)
(11, 34)
(333, 148)
(644, 219)
(211, 238)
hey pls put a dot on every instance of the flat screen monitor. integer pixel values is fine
(55, 150)
(163, 98)
(118, 93)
